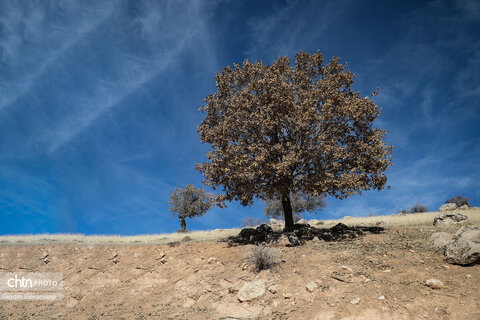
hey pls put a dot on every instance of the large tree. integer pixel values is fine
(276, 129)
(189, 202)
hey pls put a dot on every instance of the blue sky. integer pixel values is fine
(98, 102)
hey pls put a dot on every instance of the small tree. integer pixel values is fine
(300, 204)
(189, 202)
(459, 201)
(281, 129)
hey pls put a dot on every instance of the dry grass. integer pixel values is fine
(162, 238)
(408, 220)
(414, 219)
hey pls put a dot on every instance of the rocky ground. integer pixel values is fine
(376, 276)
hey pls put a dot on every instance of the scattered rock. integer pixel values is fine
(273, 289)
(346, 270)
(465, 247)
(113, 255)
(287, 295)
(311, 286)
(301, 232)
(233, 289)
(251, 290)
(448, 218)
(293, 239)
(441, 239)
(211, 260)
(434, 283)
(464, 207)
(161, 254)
(447, 207)
(355, 301)
(193, 293)
(382, 297)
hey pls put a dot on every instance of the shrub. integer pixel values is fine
(250, 222)
(263, 258)
(459, 201)
(418, 207)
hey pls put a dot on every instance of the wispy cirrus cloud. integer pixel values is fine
(163, 32)
(32, 43)
(289, 28)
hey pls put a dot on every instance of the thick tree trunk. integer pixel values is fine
(287, 211)
(183, 224)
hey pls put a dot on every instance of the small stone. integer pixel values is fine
(287, 295)
(468, 275)
(355, 301)
(251, 290)
(346, 270)
(434, 283)
(114, 255)
(382, 297)
(233, 289)
(193, 293)
(273, 289)
(311, 286)
(211, 260)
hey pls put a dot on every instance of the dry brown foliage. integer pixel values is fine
(276, 129)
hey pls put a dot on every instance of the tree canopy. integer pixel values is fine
(276, 129)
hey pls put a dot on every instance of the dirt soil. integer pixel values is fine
(198, 280)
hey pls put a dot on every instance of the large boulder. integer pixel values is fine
(448, 218)
(447, 207)
(441, 240)
(261, 233)
(465, 247)
(251, 290)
